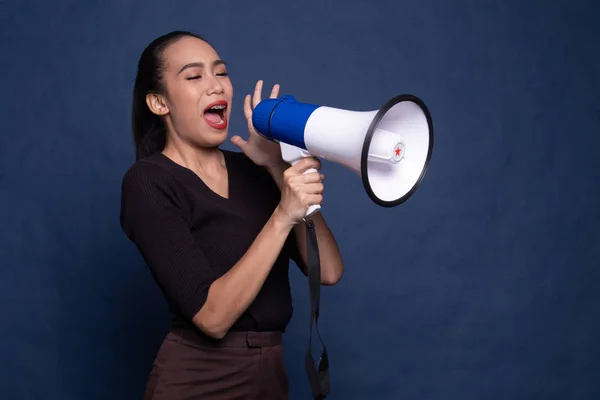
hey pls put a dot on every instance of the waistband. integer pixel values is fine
(232, 338)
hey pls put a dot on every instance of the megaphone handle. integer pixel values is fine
(314, 207)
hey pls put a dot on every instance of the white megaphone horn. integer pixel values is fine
(389, 148)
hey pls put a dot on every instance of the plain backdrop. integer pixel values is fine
(484, 285)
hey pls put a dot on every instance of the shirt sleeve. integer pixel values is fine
(153, 220)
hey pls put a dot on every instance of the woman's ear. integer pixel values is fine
(157, 104)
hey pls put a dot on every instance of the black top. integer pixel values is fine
(189, 235)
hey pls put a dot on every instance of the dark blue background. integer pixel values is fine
(484, 285)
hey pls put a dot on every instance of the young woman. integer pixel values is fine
(217, 228)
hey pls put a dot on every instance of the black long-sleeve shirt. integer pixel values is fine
(190, 236)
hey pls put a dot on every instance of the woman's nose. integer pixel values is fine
(214, 86)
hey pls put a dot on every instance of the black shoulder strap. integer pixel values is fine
(318, 378)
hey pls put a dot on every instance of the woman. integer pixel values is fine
(217, 228)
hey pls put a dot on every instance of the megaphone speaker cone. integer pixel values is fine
(396, 150)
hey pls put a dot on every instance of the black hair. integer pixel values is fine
(149, 132)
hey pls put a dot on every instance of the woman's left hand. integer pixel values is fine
(261, 151)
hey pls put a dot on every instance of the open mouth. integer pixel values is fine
(214, 114)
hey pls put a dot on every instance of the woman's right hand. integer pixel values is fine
(299, 190)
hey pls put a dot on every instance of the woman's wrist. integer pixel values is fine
(282, 220)
(276, 171)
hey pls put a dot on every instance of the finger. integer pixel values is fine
(313, 188)
(275, 91)
(247, 108)
(322, 177)
(314, 199)
(238, 141)
(306, 163)
(310, 177)
(299, 181)
(251, 128)
(257, 93)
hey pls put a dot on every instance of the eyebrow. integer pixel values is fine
(201, 65)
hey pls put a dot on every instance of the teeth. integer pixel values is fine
(218, 107)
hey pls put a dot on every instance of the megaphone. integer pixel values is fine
(389, 148)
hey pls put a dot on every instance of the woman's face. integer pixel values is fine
(197, 102)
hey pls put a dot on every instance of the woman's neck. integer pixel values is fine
(206, 162)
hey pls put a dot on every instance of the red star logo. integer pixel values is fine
(398, 152)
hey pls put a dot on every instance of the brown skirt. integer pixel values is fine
(242, 365)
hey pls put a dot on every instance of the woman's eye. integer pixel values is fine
(222, 74)
(193, 77)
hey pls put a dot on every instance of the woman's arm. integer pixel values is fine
(233, 292)
(332, 266)
(152, 219)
